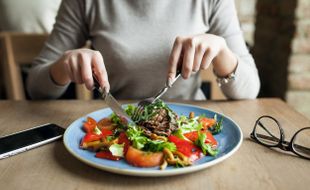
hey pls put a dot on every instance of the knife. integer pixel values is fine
(111, 101)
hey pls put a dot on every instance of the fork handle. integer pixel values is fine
(164, 90)
(177, 75)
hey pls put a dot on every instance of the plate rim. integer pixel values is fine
(156, 173)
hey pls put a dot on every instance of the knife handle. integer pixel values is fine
(97, 86)
(96, 82)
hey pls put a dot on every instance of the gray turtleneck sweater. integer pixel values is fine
(135, 38)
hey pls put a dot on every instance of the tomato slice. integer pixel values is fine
(89, 137)
(124, 139)
(106, 132)
(107, 155)
(193, 136)
(141, 158)
(207, 122)
(210, 138)
(89, 125)
(187, 148)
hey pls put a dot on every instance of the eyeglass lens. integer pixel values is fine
(268, 131)
(301, 142)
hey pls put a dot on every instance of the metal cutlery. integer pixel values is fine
(151, 100)
(111, 101)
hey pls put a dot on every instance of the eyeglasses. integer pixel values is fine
(268, 132)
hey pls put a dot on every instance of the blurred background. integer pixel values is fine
(277, 33)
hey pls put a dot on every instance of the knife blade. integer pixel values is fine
(111, 101)
(115, 106)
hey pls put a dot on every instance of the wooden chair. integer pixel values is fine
(20, 49)
(1, 70)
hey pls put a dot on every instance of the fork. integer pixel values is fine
(153, 99)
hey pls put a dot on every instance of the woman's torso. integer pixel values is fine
(135, 39)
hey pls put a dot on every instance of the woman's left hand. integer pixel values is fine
(197, 52)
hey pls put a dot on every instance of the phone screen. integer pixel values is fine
(29, 137)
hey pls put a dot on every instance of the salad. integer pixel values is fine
(158, 137)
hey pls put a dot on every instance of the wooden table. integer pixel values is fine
(52, 166)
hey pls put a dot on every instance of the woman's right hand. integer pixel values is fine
(78, 66)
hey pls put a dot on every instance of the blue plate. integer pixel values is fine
(229, 140)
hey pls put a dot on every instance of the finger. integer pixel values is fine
(86, 71)
(199, 52)
(74, 69)
(100, 71)
(174, 58)
(188, 60)
(68, 69)
(207, 59)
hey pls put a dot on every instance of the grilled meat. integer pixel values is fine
(160, 124)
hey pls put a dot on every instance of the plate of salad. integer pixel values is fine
(165, 139)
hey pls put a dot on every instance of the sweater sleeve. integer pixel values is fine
(224, 22)
(69, 32)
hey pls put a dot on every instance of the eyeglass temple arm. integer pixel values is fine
(285, 142)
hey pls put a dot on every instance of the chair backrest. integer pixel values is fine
(19, 49)
(215, 91)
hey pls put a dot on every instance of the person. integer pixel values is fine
(137, 46)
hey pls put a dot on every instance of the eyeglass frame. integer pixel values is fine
(282, 144)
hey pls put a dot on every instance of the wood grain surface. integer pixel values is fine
(52, 167)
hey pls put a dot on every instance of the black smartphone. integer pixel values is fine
(28, 139)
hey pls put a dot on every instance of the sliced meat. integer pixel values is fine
(160, 124)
